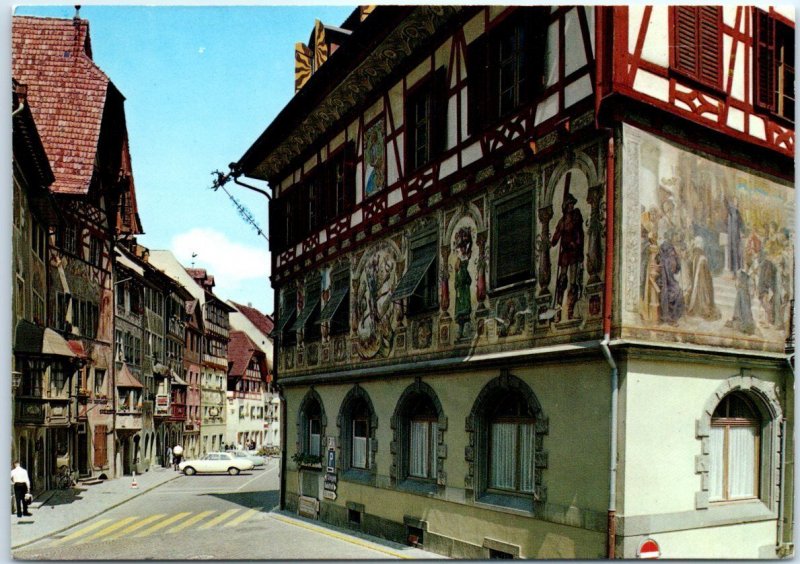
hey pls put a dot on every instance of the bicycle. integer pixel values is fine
(64, 478)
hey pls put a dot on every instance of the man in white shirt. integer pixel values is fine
(22, 485)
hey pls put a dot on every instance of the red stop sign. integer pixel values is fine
(648, 549)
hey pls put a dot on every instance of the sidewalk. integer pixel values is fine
(58, 510)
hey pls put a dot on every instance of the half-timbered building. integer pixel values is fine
(81, 118)
(534, 275)
(214, 375)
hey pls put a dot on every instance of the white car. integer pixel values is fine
(215, 462)
(254, 458)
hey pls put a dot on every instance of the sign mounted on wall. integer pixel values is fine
(649, 549)
(331, 461)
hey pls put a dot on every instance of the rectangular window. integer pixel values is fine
(337, 308)
(511, 456)
(505, 67)
(308, 320)
(513, 240)
(95, 251)
(422, 449)
(426, 120)
(360, 428)
(774, 65)
(314, 437)
(20, 297)
(38, 308)
(418, 284)
(39, 240)
(70, 241)
(58, 377)
(697, 43)
(99, 382)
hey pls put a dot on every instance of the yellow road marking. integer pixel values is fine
(190, 522)
(109, 529)
(137, 526)
(243, 517)
(217, 519)
(163, 524)
(351, 540)
(81, 532)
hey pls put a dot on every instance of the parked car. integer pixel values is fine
(254, 458)
(216, 462)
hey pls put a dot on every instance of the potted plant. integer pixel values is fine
(303, 460)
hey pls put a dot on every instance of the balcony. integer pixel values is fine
(178, 412)
(129, 420)
(29, 410)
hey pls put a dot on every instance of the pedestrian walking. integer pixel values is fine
(22, 487)
(177, 455)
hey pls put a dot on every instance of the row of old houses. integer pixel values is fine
(119, 353)
(533, 269)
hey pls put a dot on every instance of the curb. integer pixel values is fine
(89, 518)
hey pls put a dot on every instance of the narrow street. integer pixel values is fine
(219, 517)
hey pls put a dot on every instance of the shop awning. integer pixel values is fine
(32, 339)
(125, 379)
(178, 380)
(415, 273)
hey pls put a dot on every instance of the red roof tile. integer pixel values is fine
(66, 91)
(263, 322)
(240, 350)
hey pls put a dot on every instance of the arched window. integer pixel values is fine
(357, 424)
(311, 425)
(507, 428)
(359, 436)
(734, 449)
(418, 424)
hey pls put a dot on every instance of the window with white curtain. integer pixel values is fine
(314, 434)
(359, 444)
(734, 449)
(511, 446)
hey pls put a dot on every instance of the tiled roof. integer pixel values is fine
(66, 91)
(240, 350)
(263, 322)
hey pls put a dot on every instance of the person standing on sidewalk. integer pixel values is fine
(177, 454)
(22, 485)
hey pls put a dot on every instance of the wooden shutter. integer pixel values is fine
(100, 447)
(697, 44)
(764, 60)
(709, 30)
(477, 83)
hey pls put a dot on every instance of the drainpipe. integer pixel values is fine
(781, 493)
(612, 472)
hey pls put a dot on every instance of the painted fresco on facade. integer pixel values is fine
(374, 312)
(709, 248)
(374, 159)
(466, 271)
(569, 243)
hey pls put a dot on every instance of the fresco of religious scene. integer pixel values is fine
(715, 254)
(374, 313)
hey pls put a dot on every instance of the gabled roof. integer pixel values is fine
(264, 323)
(67, 93)
(241, 350)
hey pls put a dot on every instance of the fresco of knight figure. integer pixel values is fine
(708, 249)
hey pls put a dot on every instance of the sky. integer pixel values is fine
(201, 84)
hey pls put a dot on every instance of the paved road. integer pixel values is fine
(216, 517)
